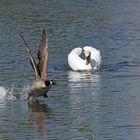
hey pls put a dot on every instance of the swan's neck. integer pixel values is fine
(88, 60)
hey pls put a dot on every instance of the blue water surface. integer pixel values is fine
(103, 105)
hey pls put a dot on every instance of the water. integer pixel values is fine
(82, 106)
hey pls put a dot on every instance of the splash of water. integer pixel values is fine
(2, 93)
(13, 93)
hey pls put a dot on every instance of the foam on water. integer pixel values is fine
(2, 92)
(13, 93)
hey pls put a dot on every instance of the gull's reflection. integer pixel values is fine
(38, 115)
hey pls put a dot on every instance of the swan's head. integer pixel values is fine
(87, 56)
(96, 58)
(87, 48)
(87, 53)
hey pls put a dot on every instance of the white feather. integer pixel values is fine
(77, 63)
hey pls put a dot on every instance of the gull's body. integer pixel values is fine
(41, 85)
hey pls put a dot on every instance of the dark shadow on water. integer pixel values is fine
(37, 106)
(38, 115)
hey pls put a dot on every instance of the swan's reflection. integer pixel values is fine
(86, 77)
(84, 99)
(38, 115)
(83, 85)
(75, 76)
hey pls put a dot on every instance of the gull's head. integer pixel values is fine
(50, 82)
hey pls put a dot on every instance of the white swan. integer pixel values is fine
(92, 59)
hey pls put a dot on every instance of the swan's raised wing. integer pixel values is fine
(43, 56)
(32, 61)
(75, 61)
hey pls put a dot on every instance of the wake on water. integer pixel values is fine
(13, 93)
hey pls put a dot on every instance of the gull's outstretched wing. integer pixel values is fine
(43, 56)
(32, 61)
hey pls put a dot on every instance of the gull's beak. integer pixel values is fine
(53, 82)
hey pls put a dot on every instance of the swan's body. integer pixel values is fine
(41, 85)
(92, 59)
(76, 62)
